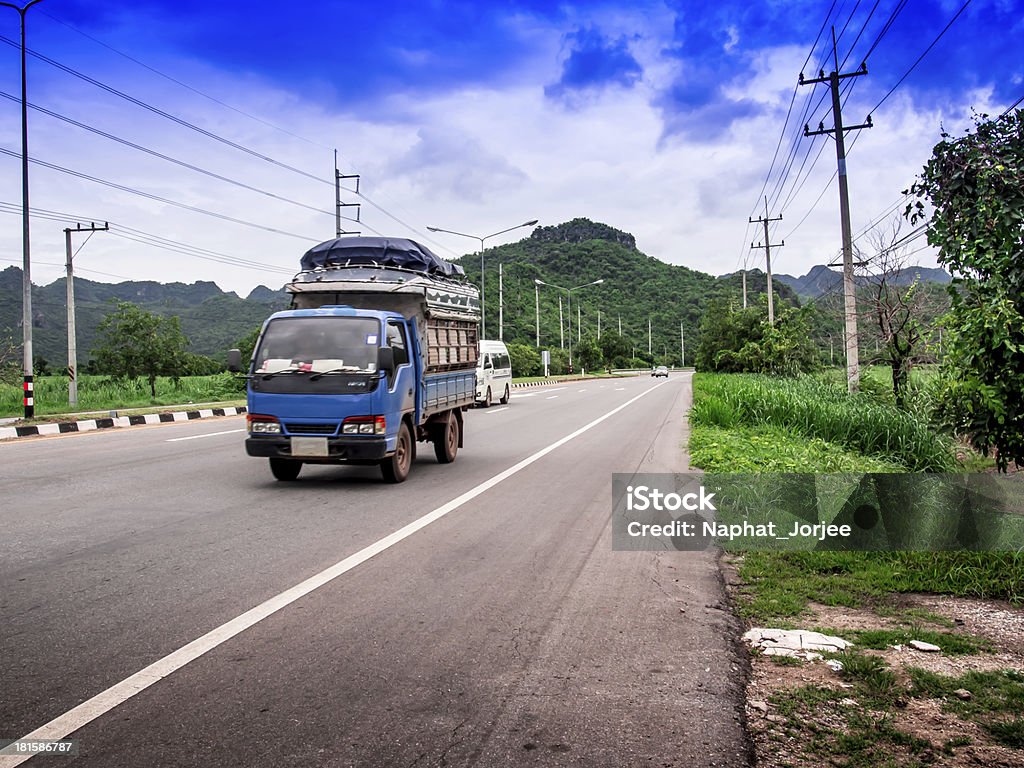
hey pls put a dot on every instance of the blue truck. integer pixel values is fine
(377, 352)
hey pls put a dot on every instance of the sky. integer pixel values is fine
(206, 133)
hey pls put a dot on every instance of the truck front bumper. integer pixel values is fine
(361, 449)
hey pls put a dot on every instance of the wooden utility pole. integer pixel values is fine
(839, 133)
(767, 260)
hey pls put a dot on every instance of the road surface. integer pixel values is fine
(475, 615)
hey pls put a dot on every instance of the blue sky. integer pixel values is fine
(659, 118)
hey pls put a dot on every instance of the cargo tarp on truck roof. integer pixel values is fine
(380, 251)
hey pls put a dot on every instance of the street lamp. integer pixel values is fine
(568, 293)
(26, 278)
(483, 305)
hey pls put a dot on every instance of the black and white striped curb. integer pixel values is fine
(524, 384)
(89, 425)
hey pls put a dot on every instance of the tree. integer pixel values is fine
(10, 361)
(525, 360)
(899, 311)
(615, 349)
(587, 354)
(247, 344)
(742, 341)
(134, 343)
(975, 184)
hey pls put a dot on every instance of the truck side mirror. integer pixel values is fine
(386, 361)
(234, 360)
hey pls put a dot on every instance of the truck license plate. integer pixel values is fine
(309, 446)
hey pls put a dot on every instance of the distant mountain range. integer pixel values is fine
(822, 280)
(212, 320)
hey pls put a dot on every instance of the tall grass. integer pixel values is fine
(101, 393)
(819, 409)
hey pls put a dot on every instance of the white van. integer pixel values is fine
(493, 373)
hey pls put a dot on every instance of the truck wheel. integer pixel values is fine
(487, 398)
(285, 469)
(504, 400)
(446, 440)
(395, 468)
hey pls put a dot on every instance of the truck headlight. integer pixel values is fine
(364, 425)
(263, 425)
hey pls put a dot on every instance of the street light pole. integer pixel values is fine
(26, 277)
(568, 294)
(483, 299)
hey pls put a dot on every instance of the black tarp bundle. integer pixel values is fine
(379, 251)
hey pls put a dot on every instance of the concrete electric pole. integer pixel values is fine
(839, 132)
(767, 260)
(72, 340)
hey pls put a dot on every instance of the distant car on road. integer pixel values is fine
(661, 370)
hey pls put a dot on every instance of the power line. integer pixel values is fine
(184, 85)
(161, 156)
(148, 238)
(216, 137)
(157, 111)
(157, 198)
(919, 58)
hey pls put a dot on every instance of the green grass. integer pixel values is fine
(780, 584)
(952, 644)
(101, 393)
(868, 737)
(774, 449)
(812, 408)
(871, 675)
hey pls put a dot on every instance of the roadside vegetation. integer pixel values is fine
(879, 708)
(105, 393)
(812, 408)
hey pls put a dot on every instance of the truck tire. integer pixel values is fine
(285, 470)
(487, 399)
(504, 400)
(395, 468)
(446, 439)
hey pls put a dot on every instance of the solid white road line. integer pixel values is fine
(497, 410)
(63, 725)
(208, 434)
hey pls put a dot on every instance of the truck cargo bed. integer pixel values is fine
(445, 391)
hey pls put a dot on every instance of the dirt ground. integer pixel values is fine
(802, 713)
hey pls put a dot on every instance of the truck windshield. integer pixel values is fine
(319, 344)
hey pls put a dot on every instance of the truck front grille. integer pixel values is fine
(311, 429)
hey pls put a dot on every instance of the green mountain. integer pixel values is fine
(211, 319)
(636, 288)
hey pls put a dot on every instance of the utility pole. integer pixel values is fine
(745, 286)
(682, 348)
(338, 205)
(579, 323)
(839, 133)
(72, 340)
(767, 260)
(28, 375)
(650, 352)
(620, 325)
(599, 325)
(561, 326)
(536, 300)
(501, 304)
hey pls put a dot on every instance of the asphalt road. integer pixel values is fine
(500, 630)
